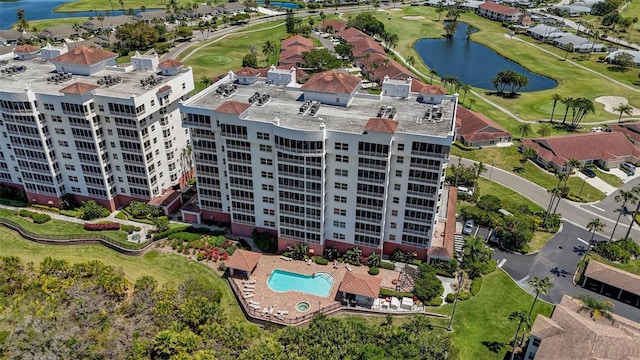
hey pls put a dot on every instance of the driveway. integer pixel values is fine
(558, 260)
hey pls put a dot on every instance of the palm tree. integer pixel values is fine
(479, 168)
(465, 88)
(76, 28)
(410, 61)
(121, 2)
(572, 163)
(595, 225)
(541, 286)
(525, 129)
(555, 97)
(522, 319)
(583, 106)
(596, 309)
(471, 103)
(432, 72)
(569, 103)
(569, 48)
(474, 248)
(393, 40)
(636, 191)
(205, 80)
(268, 48)
(526, 155)
(623, 198)
(101, 19)
(623, 109)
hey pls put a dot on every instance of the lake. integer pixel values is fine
(473, 63)
(42, 9)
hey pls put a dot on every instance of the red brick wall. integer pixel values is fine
(242, 229)
(190, 218)
(33, 198)
(214, 215)
(389, 248)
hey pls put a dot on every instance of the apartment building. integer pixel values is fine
(75, 122)
(325, 163)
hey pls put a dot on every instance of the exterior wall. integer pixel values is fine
(498, 17)
(486, 143)
(389, 248)
(343, 247)
(191, 217)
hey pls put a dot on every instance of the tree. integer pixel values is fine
(345, 51)
(479, 168)
(525, 129)
(596, 309)
(595, 225)
(432, 73)
(137, 35)
(205, 80)
(121, 2)
(90, 210)
(440, 9)
(623, 61)
(465, 88)
(509, 80)
(636, 191)
(521, 318)
(569, 48)
(22, 25)
(540, 286)
(143, 8)
(268, 48)
(392, 40)
(76, 27)
(374, 259)
(161, 223)
(544, 130)
(411, 60)
(469, 32)
(101, 19)
(582, 107)
(568, 103)
(290, 22)
(250, 60)
(471, 103)
(555, 98)
(320, 59)
(526, 155)
(450, 28)
(624, 197)
(623, 108)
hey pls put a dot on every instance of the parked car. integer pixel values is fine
(465, 190)
(468, 227)
(588, 172)
(628, 167)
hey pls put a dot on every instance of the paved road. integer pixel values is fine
(558, 260)
(575, 213)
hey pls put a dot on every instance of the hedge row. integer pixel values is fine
(129, 228)
(387, 265)
(69, 213)
(45, 207)
(321, 261)
(476, 285)
(102, 226)
(37, 218)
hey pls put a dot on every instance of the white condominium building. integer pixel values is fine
(75, 122)
(326, 163)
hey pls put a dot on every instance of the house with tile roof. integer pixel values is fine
(292, 50)
(605, 149)
(362, 288)
(333, 26)
(476, 130)
(84, 60)
(569, 335)
(243, 261)
(631, 130)
(497, 12)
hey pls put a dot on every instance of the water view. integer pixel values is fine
(281, 4)
(473, 63)
(42, 9)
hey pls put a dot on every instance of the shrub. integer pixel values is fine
(36, 217)
(373, 270)
(69, 213)
(387, 265)
(185, 236)
(102, 226)
(222, 267)
(464, 295)
(164, 234)
(45, 207)
(200, 256)
(92, 210)
(321, 261)
(122, 216)
(217, 241)
(389, 293)
(476, 285)
(436, 301)
(265, 241)
(451, 297)
(129, 228)
(231, 250)
(462, 147)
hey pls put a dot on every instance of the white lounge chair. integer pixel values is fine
(246, 289)
(282, 312)
(249, 286)
(254, 302)
(254, 307)
(348, 267)
(285, 258)
(248, 282)
(265, 311)
(247, 296)
(279, 317)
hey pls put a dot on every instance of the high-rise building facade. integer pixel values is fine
(75, 122)
(325, 163)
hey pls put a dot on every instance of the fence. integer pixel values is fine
(281, 319)
(123, 248)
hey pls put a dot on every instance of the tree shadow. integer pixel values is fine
(559, 272)
(616, 68)
(494, 346)
(580, 250)
(518, 169)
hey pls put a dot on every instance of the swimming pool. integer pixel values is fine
(319, 284)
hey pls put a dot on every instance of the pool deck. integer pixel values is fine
(287, 301)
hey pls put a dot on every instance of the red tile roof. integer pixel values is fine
(430, 89)
(163, 89)
(632, 130)
(338, 26)
(247, 71)
(84, 55)
(351, 33)
(243, 260)
(292, 55)
(381, 125)
(613, 276)
(170, 63)
(78, 88)
(364, 285)
(332, 81)
(165, 200)
(498, 9)
(233, 107)
(363, 46)
(297, 40)
(26, 48)
(607, 146)
(473, 126)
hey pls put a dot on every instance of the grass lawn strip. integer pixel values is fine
(482, 329)
(59, 227)
(90, 5)
(508, 158)
(167, 269)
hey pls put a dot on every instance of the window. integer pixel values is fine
(56, 118)
(340, 199)
(49, 107)
(338, 236)
(398, 173)
(184, 86)
(400, 147)
(341, 212)
(266, 148)
(342, 158)
(59, 131)
(153, 102)
(341, 186)
(265, 161)
(394, 225)
(266, 174)
(400, 159)
(342, 146)
(66, 156)
(342, 172)
(267, 187)
(397, 187)
(268, 223)
(268, 200)
(69, 167)
(63, 143)
(263, 136)
(392, 237)
(73, 178)
(269, 212)
(396, 200)
(394, 212)
(340, 224)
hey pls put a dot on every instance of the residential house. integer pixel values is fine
(350, 34)
(606, 149)
(631, 131)
(635, 53)
(497, 12)
(543, 32)
(572, 10)
(569, 335)
(11, 36)
(612, 282)
(333, 26)
(59, 32)
(231, 8)
(476, 130)
(292, 50)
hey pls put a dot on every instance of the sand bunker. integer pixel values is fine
(395, 9)
(414, 17)
(611, 102)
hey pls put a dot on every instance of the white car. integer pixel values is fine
(468, 227)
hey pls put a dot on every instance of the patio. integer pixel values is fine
(263, 303)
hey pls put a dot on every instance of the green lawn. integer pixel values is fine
(610, 179)
(539, 240)
(482, 329)
(90, 5)
(58, 227)
(508, 158)
(43, 24)
(504, 193)
(166, 268)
